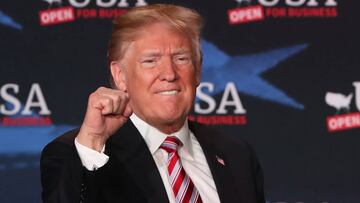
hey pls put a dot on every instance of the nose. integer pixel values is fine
(168, 70)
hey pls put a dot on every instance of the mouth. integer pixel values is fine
(168, 92)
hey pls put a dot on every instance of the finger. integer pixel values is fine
(119, 102)
(128, 111)
(123, 103)
(120, 99)
(105, 105)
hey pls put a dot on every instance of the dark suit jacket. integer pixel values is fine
(131, 174)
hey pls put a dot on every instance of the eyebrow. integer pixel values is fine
(180, 51)
(150, 53)
(156, 53)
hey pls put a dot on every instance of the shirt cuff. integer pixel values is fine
(91, 159)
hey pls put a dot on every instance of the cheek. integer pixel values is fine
(189, 77)
(142, 82)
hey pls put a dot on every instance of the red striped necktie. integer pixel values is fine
(183, 188)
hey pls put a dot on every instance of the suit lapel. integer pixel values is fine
(218, 164)
(131, 149)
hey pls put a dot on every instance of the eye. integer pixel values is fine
(182, 59)
(149, 62)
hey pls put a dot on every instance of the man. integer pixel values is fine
(135, 143)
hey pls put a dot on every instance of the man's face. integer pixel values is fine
(160, 77)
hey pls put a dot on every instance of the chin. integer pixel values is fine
(171, 117)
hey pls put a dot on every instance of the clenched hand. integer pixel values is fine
(107, 110)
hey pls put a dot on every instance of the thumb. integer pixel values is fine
(128, 111)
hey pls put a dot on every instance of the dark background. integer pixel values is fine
(302, 161)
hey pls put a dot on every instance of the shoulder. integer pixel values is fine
(218, 138)
(240, 158)
(61, 170)
(237, 150)
(62, 145)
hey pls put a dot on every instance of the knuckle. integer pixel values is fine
(100, 89)
(107, 101)
(117, 99)
(92, 96)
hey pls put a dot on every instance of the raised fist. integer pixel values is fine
(107, 110)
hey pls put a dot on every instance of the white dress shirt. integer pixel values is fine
(191, 155)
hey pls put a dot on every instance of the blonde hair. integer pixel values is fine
(180, 19)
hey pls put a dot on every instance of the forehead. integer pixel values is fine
(160, 37)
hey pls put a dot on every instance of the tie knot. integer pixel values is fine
(170, 144)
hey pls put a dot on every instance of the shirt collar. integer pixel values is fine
(154, 138)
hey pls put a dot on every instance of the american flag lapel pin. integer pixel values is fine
(220, 161)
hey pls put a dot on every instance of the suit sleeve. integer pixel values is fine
(63, 178)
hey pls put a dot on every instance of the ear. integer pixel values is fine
(118, 74)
